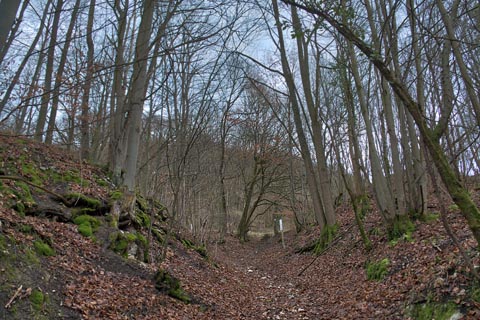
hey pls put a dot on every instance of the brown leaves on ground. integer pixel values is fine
(255, 280)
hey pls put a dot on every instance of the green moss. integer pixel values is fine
(37, 299)
(142, 203)
(3, 243)
(119, 242)
(201, 250)
(72, 176)
(86, 219)
(20, 208)
(101, 182)
(24, 198)
(43, 248)
(32, 173)
(326, 236)
(165, 282)
(375, 231)
(83, 211)
(142, 219)
(430, 217)
(87, 225)
(158, 235)
(432, 310)
(400, 228)
(475, 293)
(142, 239)
(453, 207)
(25, 228)
(31, 257)
(377, 270)
(317, 246)
(85, 229)
(81, 200)
(116, 195)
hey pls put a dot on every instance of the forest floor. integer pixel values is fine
(425, 277)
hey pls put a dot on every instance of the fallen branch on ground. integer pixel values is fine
(333, 242)
(15, 178)
(15, 295)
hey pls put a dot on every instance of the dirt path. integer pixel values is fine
(333, 288)
(277, 288)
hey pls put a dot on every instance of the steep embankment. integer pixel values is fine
(62, 256)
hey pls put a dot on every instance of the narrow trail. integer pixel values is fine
(278, 290)
(333, 288)
(271, 272)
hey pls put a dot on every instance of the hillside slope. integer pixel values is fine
(62, 257)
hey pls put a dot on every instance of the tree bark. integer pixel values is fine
(305, 151)
(458, 193)
(59, 75)
(136, 94)
(84, 120)
(42, 116)
(317, 136)
(9, 9)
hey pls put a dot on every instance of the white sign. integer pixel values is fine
(281, 224)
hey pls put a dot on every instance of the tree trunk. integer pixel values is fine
(379, 181)
(136, 94)
(305, 151)
(117, 149)
(14, 29)
(9, 9)
(317, 136)
(24, 62)
(84, 120)
(59, 75)
(42, 116)
(459, 194)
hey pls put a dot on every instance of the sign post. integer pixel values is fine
(280, 222)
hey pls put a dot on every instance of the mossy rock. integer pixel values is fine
(85, 229)
(142, 219)
(116, 195)
(142, 203)
(86, 219)
(87, 225)
(76, 212)
(43, 248)
(167, 283)
(158, 235)
(81, 200)
(201, 250)
(120, 242)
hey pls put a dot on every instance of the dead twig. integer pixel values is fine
(15, 295)
(21, 179)
(331, 244)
